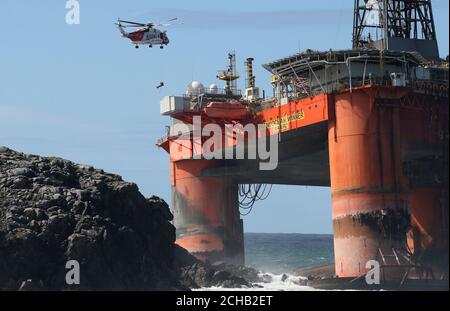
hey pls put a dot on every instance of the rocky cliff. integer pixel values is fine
(53, 210)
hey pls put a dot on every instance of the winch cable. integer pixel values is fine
(249, 194)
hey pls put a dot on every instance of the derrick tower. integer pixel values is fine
(405, 25)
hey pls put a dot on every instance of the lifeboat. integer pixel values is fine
(226, 110)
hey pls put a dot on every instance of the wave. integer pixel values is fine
(271, 282)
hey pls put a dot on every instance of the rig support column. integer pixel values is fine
(369, 211)
(206, 213)
(428, 238)
(427, 171)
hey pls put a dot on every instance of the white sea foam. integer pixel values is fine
(274, 282)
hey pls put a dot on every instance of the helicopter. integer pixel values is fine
(147, 34)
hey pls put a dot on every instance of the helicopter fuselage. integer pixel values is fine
(148, 37)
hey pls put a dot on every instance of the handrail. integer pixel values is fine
(206, 91)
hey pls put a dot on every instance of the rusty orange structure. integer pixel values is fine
(371, 123)
(375, 132)
(207, 220)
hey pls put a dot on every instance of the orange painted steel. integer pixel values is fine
(294, 115)
(370, 136)
(428, 237)
(206, 209)
(206, 214)
(226, 111)
(291, 116)
(364, 170)
(429, 220)
(373, 133)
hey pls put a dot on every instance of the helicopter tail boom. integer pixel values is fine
(122, 31)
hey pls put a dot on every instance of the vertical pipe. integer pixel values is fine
(386, 25)
(355, 23)
(250, 79)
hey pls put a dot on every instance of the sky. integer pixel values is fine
(83, 93)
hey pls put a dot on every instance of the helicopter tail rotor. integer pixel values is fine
(121, 28)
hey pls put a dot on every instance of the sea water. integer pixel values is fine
(275, 255)
(285, 253)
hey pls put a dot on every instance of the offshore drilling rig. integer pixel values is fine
(370, 122)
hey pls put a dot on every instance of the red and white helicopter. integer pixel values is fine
(147, 34)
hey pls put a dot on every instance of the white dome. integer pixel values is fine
(213, 88)
(196, 85)
(195, 88)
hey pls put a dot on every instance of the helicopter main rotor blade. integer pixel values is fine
(133, 26)
(168, 24)
(132, 23)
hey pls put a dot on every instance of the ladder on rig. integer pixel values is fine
(398, 259)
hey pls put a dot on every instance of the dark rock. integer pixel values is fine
(162, 206)
(20, 183)
(301, 282)
(225, 279)
(249, 274)
(31, 285)
(43, 204)
(34, 225)
(3, 149)
(20, 171)
(196, 274)
(82, 195)
(30, 213)
(52, 211)
(266, 278)
(202, 274)
(40, 215)
(183, 258)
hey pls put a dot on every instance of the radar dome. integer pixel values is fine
(213, 89)
(195, 88)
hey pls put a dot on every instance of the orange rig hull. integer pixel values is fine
(382, 150)
(380, 142)
(206, 213)
(227, 111)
